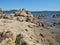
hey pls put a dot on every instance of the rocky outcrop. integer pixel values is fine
(21, 13)
(41, 16)
(24, 33)
(56, 16)
(8, 16)
(7, 37)
(21, 29)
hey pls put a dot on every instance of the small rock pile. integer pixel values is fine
(20, 15)
(23, 15)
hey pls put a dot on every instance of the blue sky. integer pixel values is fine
(39, 5)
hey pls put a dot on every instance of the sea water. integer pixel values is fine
(48, 15)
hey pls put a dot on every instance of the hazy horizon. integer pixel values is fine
(31, 5)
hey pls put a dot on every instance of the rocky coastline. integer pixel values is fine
(22, 28)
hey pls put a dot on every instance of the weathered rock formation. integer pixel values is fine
(41, 16)
(23, 29)
(7, 37)
(21, 13)
(56, 16)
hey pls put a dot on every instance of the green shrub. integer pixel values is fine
(18, 39)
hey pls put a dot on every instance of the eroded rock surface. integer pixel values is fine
(24, 29)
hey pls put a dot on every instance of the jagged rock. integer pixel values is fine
(7, 42)
(41, 16)
(13, 35)
(29, 19)
(8, 16)
(38, 24)
(21, 19)
(24, 13)
(56, 16)
(8, 37)
(8, 34)
(29, 14)
(4, 34)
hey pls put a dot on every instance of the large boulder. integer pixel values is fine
(29, 14)
(7, 42)
(8, 37)
(29, 19)
(21, 13)
(56, 16)
(21, 19)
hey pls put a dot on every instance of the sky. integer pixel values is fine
(32, 5)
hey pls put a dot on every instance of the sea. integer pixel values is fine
(48, 15)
